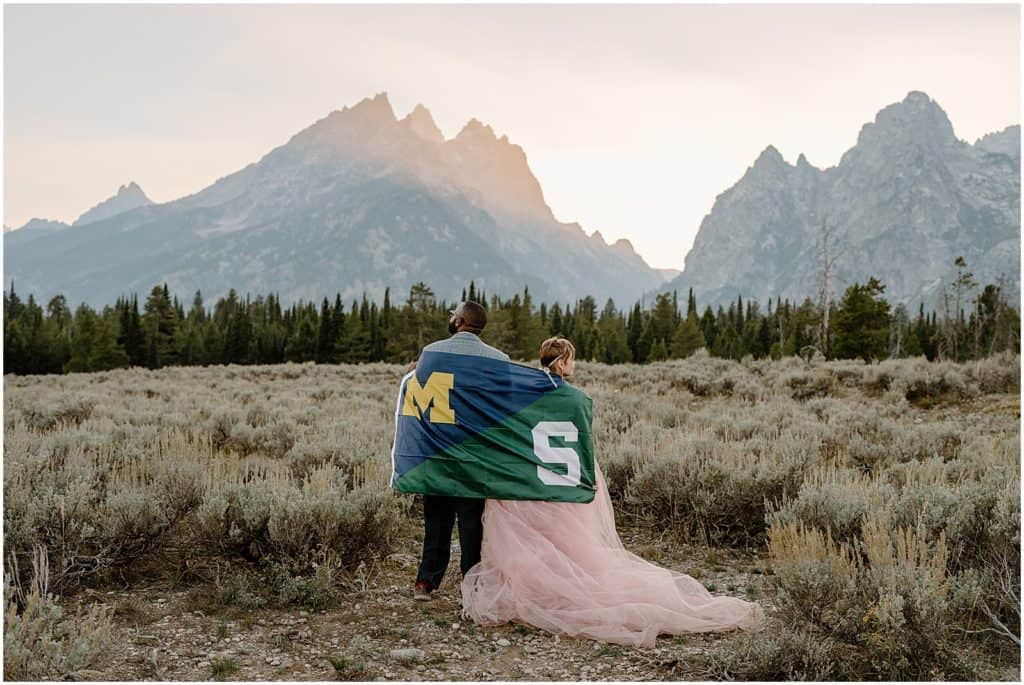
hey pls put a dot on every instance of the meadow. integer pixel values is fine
(236, 522)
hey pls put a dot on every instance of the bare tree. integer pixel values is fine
(826, 263)
(899, 323)
(944, 345)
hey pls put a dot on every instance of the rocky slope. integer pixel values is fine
(357, 202)
(901, 205)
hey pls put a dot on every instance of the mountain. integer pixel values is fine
(356, 202)
(34, 229)
(901, 205)
(128, 197)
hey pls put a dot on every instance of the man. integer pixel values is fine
(466, 323)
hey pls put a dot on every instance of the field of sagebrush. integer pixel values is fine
(236, 522)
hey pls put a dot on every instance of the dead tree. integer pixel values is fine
(826, 271)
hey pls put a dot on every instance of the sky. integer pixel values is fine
(633, 118)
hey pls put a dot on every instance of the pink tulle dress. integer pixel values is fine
(562, 568)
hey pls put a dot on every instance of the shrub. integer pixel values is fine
(835, 499)
(887, 596)
(815, 382)
(66, 411)
(41, 642)
(779, 654)
(267, 517)
(718, 492)
(91, 514)
(999, 373)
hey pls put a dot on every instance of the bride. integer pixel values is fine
(561, 567)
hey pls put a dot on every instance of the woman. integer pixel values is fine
(561, 567)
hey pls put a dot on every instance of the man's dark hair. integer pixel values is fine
(474, 316)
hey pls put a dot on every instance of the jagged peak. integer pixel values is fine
(1009, 131)
(1006, 141)
(597, 237)
(132, 188)
(379, 106)
(129, 196)
(475, 128)
(770, 158)
(421, 122)
(917, 116)
(772, 154)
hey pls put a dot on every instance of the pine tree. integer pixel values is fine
(612, 335)
(105, 352)
(688, 338)
(634, 332)
(160, 323)
(301, 346)
(324, 340)
(659, 351)
(862, 322)
(238, 337)
(83, 336)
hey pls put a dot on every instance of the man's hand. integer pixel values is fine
(411, 366)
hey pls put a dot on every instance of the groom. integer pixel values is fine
(465, 324)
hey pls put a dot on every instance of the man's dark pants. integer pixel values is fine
(439, 515)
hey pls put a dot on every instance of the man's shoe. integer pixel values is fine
(421, 591)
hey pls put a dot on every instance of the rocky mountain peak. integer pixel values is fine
(372, 110)
(132, 190)
(1005, 142)
(916, 120)
(129, 196)
(354, 203)
(769, 164)
(770, 156)
(623, 247)
(421, 122)
(904, 202)
(476, 130)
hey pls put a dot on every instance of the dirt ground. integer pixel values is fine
(163, 633)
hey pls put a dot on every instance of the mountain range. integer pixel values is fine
(902, 204)
(361, 200)
(357, 202)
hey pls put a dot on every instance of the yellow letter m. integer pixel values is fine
(433, 397)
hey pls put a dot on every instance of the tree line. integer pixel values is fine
(261, 331)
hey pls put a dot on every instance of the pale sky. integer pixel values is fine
(633, 118)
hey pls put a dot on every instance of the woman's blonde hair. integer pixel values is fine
(553, 349)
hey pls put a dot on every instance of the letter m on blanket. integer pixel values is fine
(433, 397)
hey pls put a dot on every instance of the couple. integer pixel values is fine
(559, 566)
